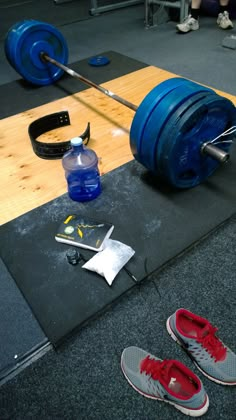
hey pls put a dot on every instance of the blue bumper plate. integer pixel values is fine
(160, 118)
(145, 109)
(23, 45)
(179, 154)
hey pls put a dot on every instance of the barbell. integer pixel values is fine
(176, 132)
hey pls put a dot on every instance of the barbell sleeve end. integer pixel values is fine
(215, 152)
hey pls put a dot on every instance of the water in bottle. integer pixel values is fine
(81, 171)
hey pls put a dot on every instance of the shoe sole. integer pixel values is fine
(230, 26)
(175, 338)
(226, 28)
(186, 32)
(193, 413)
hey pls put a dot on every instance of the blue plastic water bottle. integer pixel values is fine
(81, 171)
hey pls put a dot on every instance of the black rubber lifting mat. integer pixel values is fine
(20, 334)
(156, 221)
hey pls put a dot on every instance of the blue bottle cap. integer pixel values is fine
(99, 61)
(76, 141)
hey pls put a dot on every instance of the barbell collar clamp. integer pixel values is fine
(215, 152)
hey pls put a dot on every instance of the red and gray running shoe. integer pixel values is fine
(164, 380)
(198, 337)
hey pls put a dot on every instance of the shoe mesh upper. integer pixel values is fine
(224, 21)
(188, 24)
(222, 370)
(132, 358)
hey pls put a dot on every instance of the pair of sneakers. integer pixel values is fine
(170, 380)
(191, 24)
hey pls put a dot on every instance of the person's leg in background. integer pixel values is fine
(223, 19)
(191, 23)
(195, 9)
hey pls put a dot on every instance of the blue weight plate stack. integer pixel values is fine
(145, 109)
(24, 43)
(170, 129)
(179, 159)
(160, 118)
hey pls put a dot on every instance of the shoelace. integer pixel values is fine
(187, 18)
(155, 368)
(224, 16)
(211, 343)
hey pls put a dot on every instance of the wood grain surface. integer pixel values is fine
(28, 181)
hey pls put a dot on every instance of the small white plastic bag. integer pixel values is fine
(110, 261)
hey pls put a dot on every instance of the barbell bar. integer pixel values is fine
(207, 148)
(176, 121)
(88, 82)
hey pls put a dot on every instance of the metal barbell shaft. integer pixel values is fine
(208, 149)
(88, 82)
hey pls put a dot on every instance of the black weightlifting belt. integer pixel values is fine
(48, 123)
